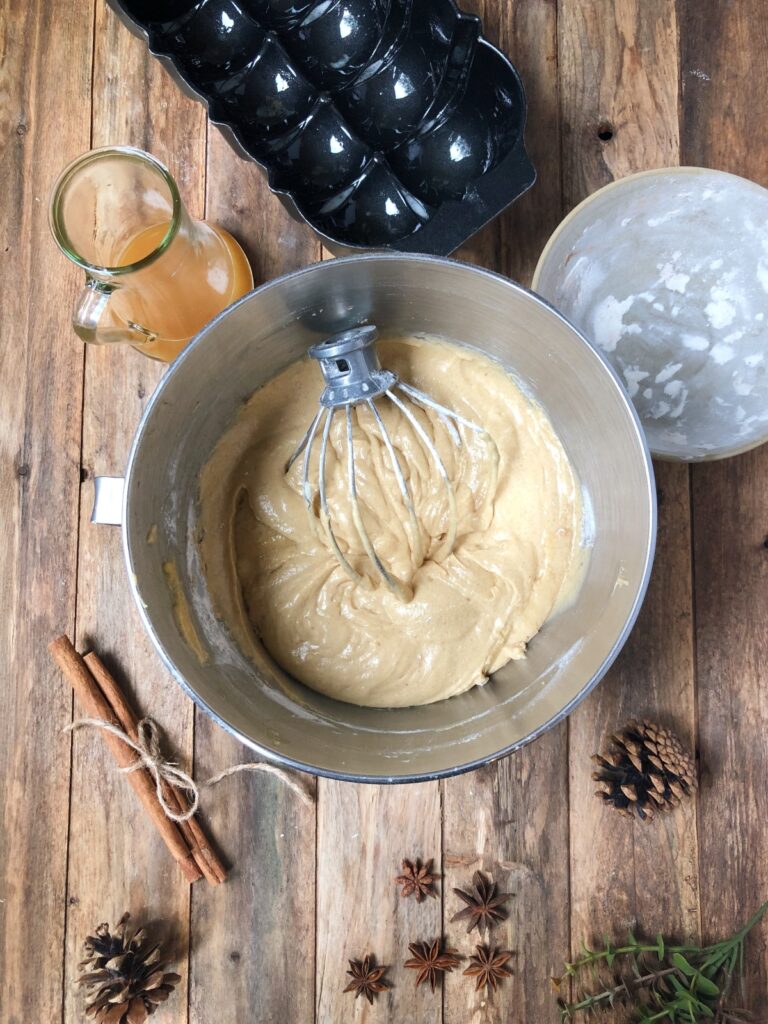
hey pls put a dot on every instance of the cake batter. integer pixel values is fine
(275, 581)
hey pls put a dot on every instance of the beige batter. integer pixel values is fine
(273, 577)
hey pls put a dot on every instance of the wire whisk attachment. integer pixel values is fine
(354, 376)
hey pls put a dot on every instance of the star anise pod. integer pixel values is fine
(483, 903)
(430, 962)
(417, 878)
(487, 965)
(366, 978)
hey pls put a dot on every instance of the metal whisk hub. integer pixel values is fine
(354, 376)
(351, 368)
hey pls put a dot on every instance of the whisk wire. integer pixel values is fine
(306, 440)
(450, 537)
(394, 585)
(325, 512)
(306, 490)
(449, 414)
(416, 542)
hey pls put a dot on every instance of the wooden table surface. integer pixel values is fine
(614, 87)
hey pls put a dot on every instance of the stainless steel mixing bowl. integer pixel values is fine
(264, 333)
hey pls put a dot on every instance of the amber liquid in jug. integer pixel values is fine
(194, 281)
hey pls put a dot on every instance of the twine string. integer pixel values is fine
(150, 756)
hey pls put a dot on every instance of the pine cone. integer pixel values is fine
(124, 976)
(645, 770)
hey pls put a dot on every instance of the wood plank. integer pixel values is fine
(117, 862)
(724, 55)
(619, 67)
(511, 819)
(253, 949)
(615, 73)
(626, 874)
(527, 32)
(414, 818)
(729, 502)
(485, 247)
(239, 198)
(363, 834)
(44, 122)
(619, 79)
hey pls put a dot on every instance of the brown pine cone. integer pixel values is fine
(123, 975)
(646, 769)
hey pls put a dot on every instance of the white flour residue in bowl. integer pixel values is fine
(670, 281)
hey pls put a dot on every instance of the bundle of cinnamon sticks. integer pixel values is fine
(101, 698)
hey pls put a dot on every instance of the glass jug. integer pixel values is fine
(154, 275)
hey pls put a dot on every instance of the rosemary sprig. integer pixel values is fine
(659, 982)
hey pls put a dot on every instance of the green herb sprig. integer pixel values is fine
(649, 982)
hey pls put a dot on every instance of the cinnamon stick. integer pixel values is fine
(205, 856)
(95, 705)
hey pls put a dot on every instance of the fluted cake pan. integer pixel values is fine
(381, 123)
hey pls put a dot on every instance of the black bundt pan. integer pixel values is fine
(385, 124)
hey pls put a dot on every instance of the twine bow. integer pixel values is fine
(150, 756)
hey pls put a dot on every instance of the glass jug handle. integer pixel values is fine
(92, 322)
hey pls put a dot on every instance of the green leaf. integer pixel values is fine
(682, 965)
(705, 986)
(680, 989)
(709, 971)
(660, 946)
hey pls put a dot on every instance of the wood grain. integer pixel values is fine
(725, 48)
(363, 833)
(619, 70)
(484, 248)
(511, 819)
(116, 862)
(254, 947)
(619, 76)
(528, 33)
(312, 887)
(732, 654)
(44, 122)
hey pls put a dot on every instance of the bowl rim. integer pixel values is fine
(616, 185)
(276, 757)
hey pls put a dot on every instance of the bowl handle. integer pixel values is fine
(108, 500)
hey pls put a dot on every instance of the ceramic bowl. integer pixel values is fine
(666, 273)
